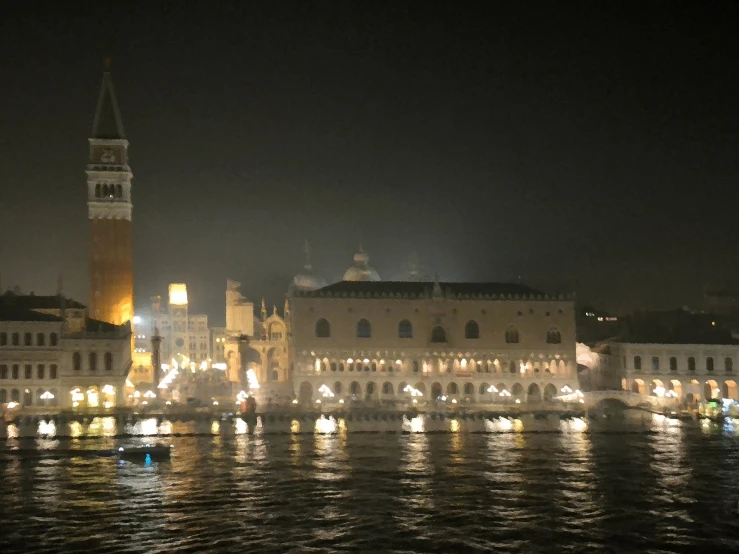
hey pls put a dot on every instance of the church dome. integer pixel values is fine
(361, 270)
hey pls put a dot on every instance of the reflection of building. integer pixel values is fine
(462, 341)
(109, 210)
(183, 333)
(52, 354)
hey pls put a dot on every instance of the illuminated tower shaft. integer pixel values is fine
(109, 210)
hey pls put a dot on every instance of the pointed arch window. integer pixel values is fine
(511, 335)
(364, 329)
(554, 336)
(405, 329)
(438, 334)
(472, 330)
(323, 329)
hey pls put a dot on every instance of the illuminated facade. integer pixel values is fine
(109, 211)
(53, 355)
(686, 373)
(183, 333)
(265, 353)
(451, 342)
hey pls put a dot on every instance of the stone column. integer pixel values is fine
(156, 360)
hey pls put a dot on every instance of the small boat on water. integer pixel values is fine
(137, 452)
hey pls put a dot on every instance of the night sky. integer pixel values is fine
(580, 147)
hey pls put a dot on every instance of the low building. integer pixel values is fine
(52, 354)
(461, 342)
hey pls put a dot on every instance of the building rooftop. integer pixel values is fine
(8, 312)
(39, 302)
(426, 289)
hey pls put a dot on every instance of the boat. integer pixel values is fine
(136, 452)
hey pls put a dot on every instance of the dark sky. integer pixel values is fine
(578, 146)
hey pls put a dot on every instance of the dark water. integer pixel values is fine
(669, 490)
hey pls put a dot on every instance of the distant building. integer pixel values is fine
(683, 355)
(183, 333)
(109, 210)
(218, 338)
(466, 342)
(53, 354)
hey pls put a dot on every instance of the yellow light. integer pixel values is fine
(108, 389)
(178, 294)
(295, 401)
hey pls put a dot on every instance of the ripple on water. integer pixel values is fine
(663, 491)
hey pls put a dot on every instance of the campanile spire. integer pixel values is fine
(109, 210)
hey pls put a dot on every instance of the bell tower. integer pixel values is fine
(109, 211)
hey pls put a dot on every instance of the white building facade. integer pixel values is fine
(473, 343)
(52, 355)
(685, 372)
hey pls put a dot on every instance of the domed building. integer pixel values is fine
(307, 280)
(361, 270)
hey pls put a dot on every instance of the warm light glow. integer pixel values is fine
(149, 394)
(136, 394)
(12, 405)
(325, 391)
(518, 400)
(463, 363)
(566, 389)
(398, 362)
(659, 391)
(504, 393)
(219, 365)
(318, 365)
(349, 361)
(325, 426)
(295, 401)
(454, 426)
(242, 396)
(178, 294)
(108, 389)
(366, 361)
(203, 365)
(136, 320)
(215, 402)
(46, 396)
(412, 391)
(251, 377)
(492, 388)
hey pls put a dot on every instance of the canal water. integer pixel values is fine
(659, 488)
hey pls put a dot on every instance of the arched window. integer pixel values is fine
(323, 329)
(511, 335)
(637, 362)
(354, 388)
(673, 363)
(484, 388)
(333, 366)
(405, 329)
(364, 329)
(105, 191)
(438, 334)
(275, 375)
(387, 388)
(76, 361)
(108, 361)
(40, 339)
(472, 330)
(93, 361)
(337, 387)
(415, 366)
(554, 337)
(469, 388)
(15, 395)
(452, 388)
(512, 367)
(98, 191)
(28, 339)
(53, 339)
(341, 366)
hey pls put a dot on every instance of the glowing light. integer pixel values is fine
(215, 402)
(149, 394)
(341, 401)
(366, 361)
(203, 365)
(168, 403)
(412, 391)
(518, 400)
(463, 363)
(242, 396)
(295, 401)
(107, 404)
(492, 388)
(454, 426)
(325, 391)
(75, 404)
(251, 377)
(522, 367)
(47, 428)
(671, 394)
(414, 425)
(318, 401)
(12, 405)
(108, 389)
(178, 294)
(219, 365)
(349, 361)
(325, 426)
(77, 395)
(136, 319)
(46, 396)
(579, 424)
(566, 389)
(659, 391)
(398, 362)
(454, 400)
(504, 393)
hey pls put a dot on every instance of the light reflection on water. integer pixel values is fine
(665, 488)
